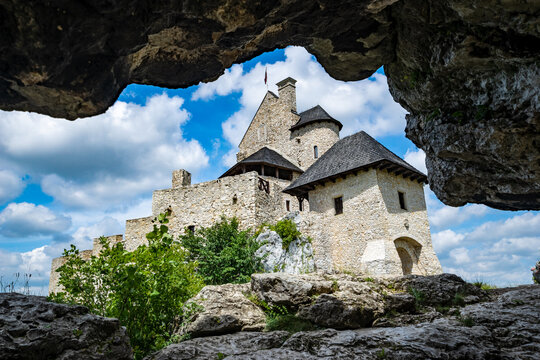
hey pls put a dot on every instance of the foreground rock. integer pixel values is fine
(337, 301)
(466, 71)
(32, 328)
(223, 309)
(507, 327)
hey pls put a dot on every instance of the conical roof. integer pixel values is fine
(315, 114)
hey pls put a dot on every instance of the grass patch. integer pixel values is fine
(466, 321)
(459, 299)
(442, 309)
(483, 285)
(290, 323)
(369, 279)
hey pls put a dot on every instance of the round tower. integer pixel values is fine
(313, 135)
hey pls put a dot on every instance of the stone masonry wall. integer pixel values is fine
(54, 278)
(270, 127)
(362, 239)
(322, 134)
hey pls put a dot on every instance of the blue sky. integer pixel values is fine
(66, 182)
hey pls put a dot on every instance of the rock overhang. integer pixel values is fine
(468, 75)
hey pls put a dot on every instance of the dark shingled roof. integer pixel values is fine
(265, 156)
(348, 155)
(312, 115)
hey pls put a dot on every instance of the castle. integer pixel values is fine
(362, 205)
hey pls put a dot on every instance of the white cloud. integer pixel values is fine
(416, 158)
(460, 255)
(448, 216)
(446, 239)
(499, 252)
(25, 219)
(519, 226)
(104, 160)
(11, 185)
(362, 105)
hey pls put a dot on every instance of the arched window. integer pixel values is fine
(315, 152)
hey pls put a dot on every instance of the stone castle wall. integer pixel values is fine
(321, 134)
(270, 127)
(367, 236)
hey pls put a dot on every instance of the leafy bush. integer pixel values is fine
(287, 231)
(224, 254)
(145, 289)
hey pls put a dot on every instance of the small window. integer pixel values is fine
(191, 229)
(401, 197)
(300, 204)
(315, 152)
(288, 205)
(338, 205)
(298, 141)
(234, 200)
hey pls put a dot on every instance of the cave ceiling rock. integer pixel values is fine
(467, 72)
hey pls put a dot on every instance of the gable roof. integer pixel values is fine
(313, 115)
(264, 156)
(348, 155)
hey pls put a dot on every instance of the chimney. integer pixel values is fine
(287, 92)
(180, 178)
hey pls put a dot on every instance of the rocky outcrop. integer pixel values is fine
(536, 272)
(223, 309)
(32, 328)
(506, 327)
(467, 72)
(297, 258)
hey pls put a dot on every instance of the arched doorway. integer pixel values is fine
(406, 261)
(409, 253)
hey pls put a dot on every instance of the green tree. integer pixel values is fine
(145, 289)
(224, 253)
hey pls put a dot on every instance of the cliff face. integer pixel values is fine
(468, 72)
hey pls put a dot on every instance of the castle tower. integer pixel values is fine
(287, 93)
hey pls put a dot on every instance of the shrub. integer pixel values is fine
(224, 254)
(483, 285)
(145, 289)
(287, 231)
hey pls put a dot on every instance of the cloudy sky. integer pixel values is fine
(65, 182)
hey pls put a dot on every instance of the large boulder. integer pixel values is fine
(536, 272)
(297, 258)
(507, 327)
(223, 309)
(220, 347)
(33, 328)
(289, 290)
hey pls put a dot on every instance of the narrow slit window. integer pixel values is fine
(234, 200)
(288, 205)
(338, 205)
(315, 152)
(301, 204)
(401, 197)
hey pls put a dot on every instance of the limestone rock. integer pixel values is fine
(244, 343)
(225, 309)
(506, 328)
(438, 289)
(536, 272)
(33, 328)
(296, 259)
(289, 290)
(466, 71)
